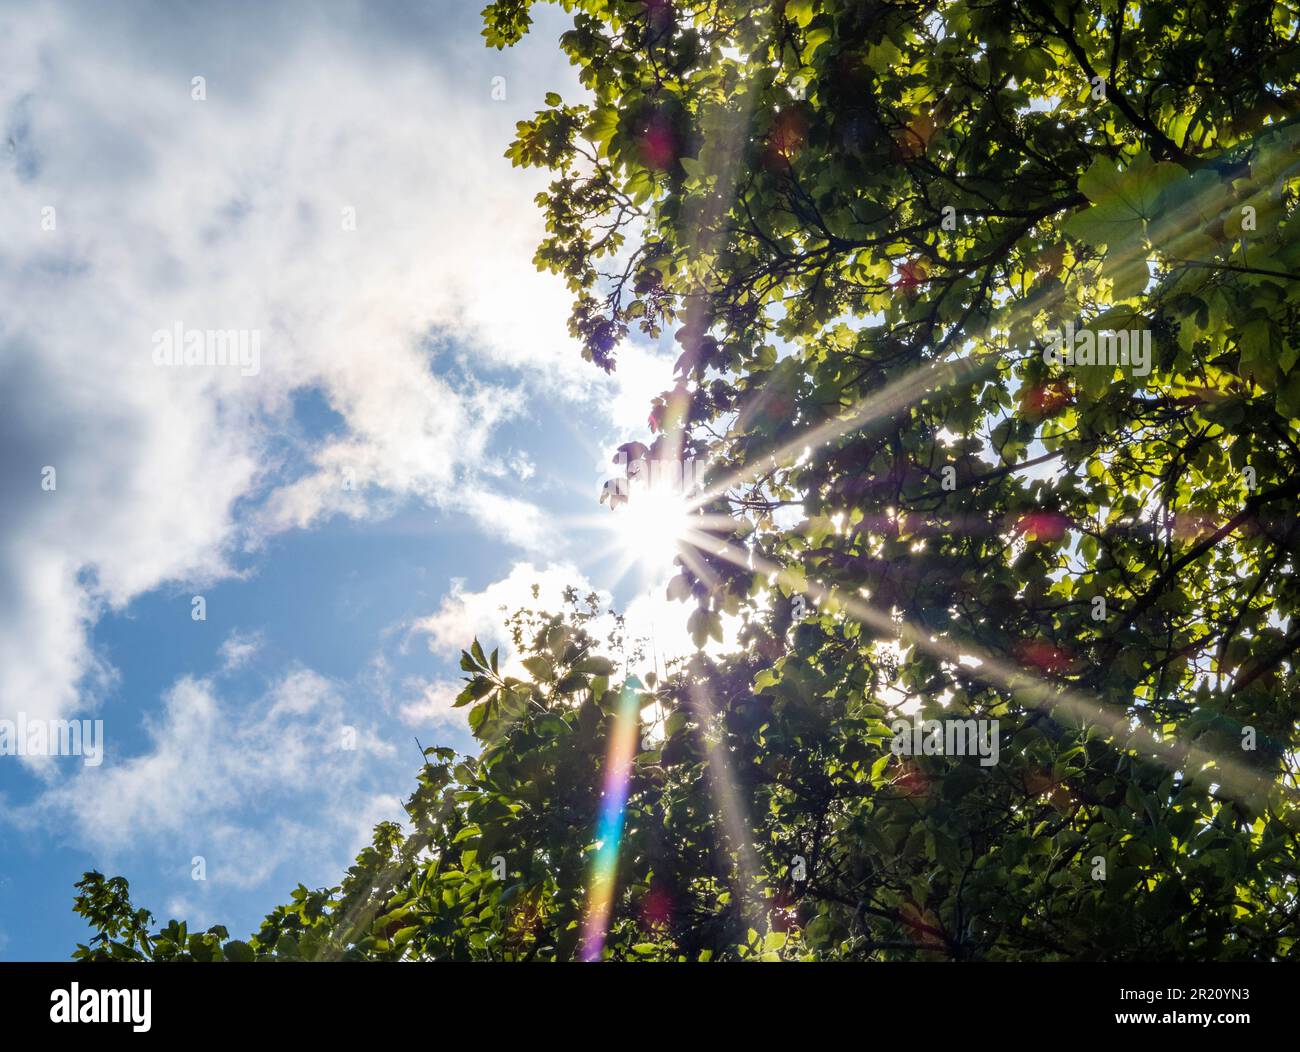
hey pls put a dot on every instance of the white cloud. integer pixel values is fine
(464, 616)
(651, 620)
(239, 649)
(435, 706)
(216, 776)
(228, 214)
(643, 372)
(522, 466)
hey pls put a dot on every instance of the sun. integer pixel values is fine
(650, 528)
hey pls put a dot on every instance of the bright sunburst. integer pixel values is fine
(649, 528)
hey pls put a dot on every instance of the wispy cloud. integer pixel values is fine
(239, 649)
(219, 779)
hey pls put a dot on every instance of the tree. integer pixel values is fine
(874, 228)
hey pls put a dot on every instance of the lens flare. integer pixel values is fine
(609, 828)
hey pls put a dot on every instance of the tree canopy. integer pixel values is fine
(863, 222)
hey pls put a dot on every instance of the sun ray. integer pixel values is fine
(731, 811)
(1239, 780)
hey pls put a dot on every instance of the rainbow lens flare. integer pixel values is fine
(609, 829)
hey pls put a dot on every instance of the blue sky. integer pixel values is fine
(419, 444)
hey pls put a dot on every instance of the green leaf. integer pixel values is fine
(539, 668)
(1123, 200)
